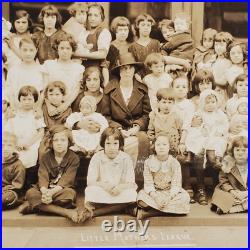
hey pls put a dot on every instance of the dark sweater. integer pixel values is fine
(13, 174)
(50, 170)
(180, 45)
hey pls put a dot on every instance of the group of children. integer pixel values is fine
(53, 84)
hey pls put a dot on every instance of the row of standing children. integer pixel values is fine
(57, 88)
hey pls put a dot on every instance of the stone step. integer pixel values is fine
(199, 216)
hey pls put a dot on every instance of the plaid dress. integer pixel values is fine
(165, 179)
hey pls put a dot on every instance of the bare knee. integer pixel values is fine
(142, 204)
(211, 156)
(33, 193)
(63, 203)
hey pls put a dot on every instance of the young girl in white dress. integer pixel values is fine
(184, 107)
(163, 192)
(158, 79)
(27, 72)
(208, 141)
(111, 183)
(22, 28)
(29, 131)
(212, 134)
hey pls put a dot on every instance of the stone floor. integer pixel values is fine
(200, 228)
(156, 236)
(199, 216)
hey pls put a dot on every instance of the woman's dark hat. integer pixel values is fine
(125, 59)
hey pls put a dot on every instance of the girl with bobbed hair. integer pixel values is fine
(51, 20)
(231, 194)
(54, 193)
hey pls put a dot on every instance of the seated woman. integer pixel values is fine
(54, 192)
(111, 179)
(126, 105)
(163, 192)
(231, 194)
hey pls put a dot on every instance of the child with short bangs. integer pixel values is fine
(54, 193)
(237, 54)
(64, 69)
(51, 19)
(231, 194)
(240, 89)
(111, 186)
(27, 72)
(202, 80)
(22, 29)
(162, 193)
(164, 119)
(144, 45)
(29, 131)
(123, 37)
(158, 79)
(54, 95)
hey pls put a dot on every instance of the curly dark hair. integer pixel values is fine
(57, 84)
(62, 38)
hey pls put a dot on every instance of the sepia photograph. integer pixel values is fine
(124, 124)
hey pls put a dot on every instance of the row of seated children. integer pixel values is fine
(111, 174)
